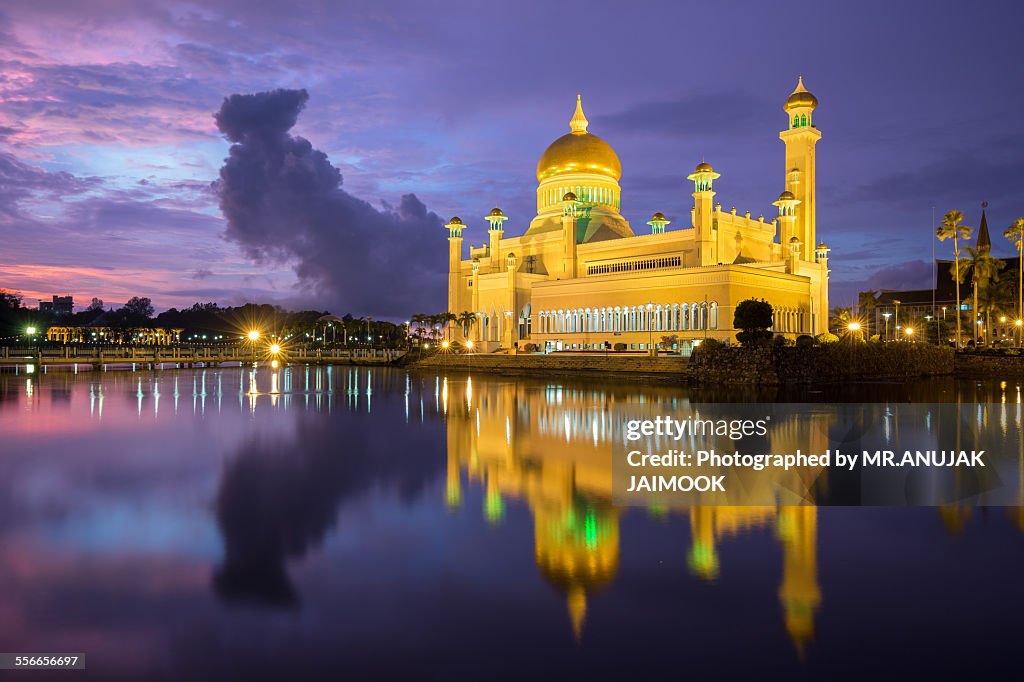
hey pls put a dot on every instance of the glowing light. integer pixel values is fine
(444, 344)
(1002, 318)
(469, 345)
(426, 346)
(696, 343)
(275, 364)
(853, 326)
(253, 335)
(1019, 323)
(275, 348)
(909, 331)
(30, 331)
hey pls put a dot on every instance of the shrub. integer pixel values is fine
(754, 320)
(804, 341)
(620, 346)
(826, 337)
(781, 341)
(875, 338)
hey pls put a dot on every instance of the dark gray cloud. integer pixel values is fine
(283, 202)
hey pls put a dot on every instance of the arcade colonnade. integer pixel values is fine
(667, 317)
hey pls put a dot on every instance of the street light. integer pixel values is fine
(275, 349)
(31, 331)
(886, 316)
(253, 335)
(853, 326)
(909, 331)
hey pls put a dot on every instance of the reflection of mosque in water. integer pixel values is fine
(551, 448)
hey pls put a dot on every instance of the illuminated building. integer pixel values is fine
(580, 276)
(140, 336)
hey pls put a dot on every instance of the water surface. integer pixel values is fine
(372, 524)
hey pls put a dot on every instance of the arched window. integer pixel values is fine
(713, 319)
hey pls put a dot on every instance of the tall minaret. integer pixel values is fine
(703, 177)
(800, 138)
(495, 231)
(569, 217)
(454, 228)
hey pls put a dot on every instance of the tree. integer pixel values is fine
(755, 319)
(467, 318)
(951, 228)
(839, 319)
(447, 318)
(140, 307)
(867, 301)
(1015, 233)
(984, 270)
(95, 304)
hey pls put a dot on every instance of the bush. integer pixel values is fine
(620, 346)
(754, 320)
(804, 341)
(826, 337)
(875, 338)
(781, 341)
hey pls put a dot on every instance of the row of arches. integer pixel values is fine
(667, 317)
(800, 121)
(790, 320)
(586, 194)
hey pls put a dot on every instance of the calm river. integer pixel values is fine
(340, 523)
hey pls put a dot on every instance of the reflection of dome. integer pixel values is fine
(579, 152)
(577, 552)
(801, 97)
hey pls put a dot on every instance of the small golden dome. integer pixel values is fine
(703, 167)
(794, 240)
(801, 97)
(658, 216)
(496, 212)
(579, 152)
(822, 246)
(456, 220)
(569, 196)
(786, 196)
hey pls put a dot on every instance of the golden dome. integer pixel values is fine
(569, 196)
(658, 216)
(496, 212)
(801, 97)
(786, 196)
(579, 152)
(703, 167)
(456, 220)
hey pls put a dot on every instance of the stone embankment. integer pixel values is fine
(616, 365)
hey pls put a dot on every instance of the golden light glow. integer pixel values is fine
(275, 364)
(253, 335)
(30, 331)
(275, 349)
(444, 344)
(469, 344)
(909, 331)
(1019, 323)
(853, 326)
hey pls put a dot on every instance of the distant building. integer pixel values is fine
(897, 308)
(141, 336)
(60, 305)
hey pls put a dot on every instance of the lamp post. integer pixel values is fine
(886, 316)
(253, 337)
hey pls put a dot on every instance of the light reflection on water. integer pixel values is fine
(395, 521)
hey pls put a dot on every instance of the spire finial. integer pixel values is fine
(578, 123)
(800, 84)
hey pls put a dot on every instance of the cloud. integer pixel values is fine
(283, 203)
(687, 115)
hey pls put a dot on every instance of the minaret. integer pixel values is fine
(475, 330)
(495, 231)
(787, 204)
(703, 177)
(569, 217)
(658, 223)
(800, 137)
(454, 228)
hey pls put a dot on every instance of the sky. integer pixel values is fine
(360, 127)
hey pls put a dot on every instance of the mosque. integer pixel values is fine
(580, 277)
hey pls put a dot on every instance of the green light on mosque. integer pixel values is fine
(590, 530)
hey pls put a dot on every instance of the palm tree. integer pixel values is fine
(446, 319)
(467, 318)
(840, 318)
(984, 269)
(1015, 233)
(866, 302)
(951, 227)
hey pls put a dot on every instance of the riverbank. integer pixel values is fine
(662, 368)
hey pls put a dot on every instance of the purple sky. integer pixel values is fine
(108, 144)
